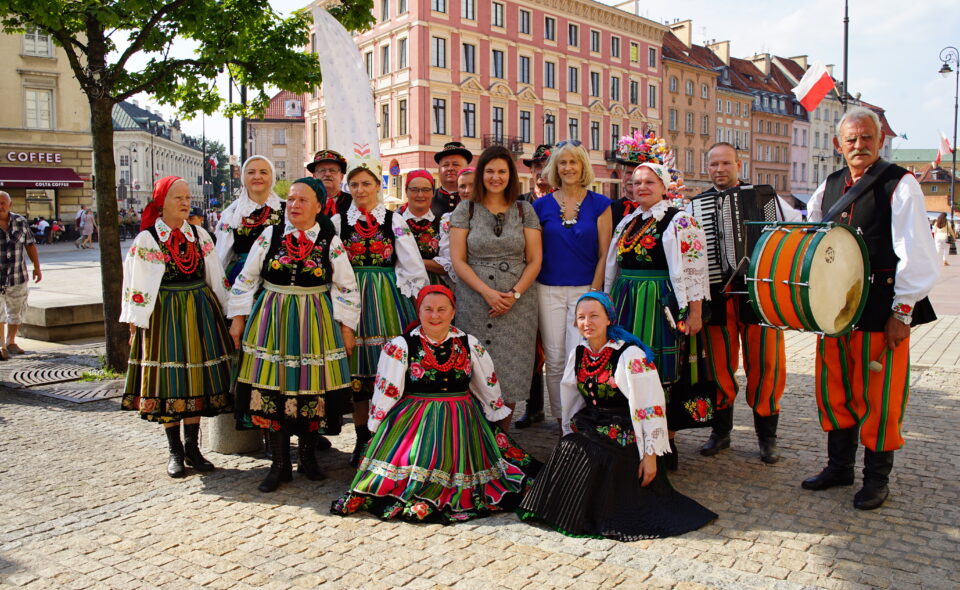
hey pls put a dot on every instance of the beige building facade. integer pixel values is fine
(279, 135)
(46, 154)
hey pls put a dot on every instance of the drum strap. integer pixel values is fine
(858, 189)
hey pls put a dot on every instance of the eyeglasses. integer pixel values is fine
(413, 189)
(573, 142)
(498, 228)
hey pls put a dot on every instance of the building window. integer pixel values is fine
(279, 136)
(384, 60)
(124, 160)
(401, 6)
(652, 96)
(498, 123)
(719, 134)
(614, 46)
(549, 129)
(614, 88)
(439, 116)
(368, 63)
(728, 108)
(36, 43)
(705, 125)
(573, 79)
(550, 28)
(497, 64)
(688, 123)
(595, 41)
(438, 52)
(39, 109)
(469, 119)
(574, 127)
(688, 88)
(933, 189)
(438, 5)
(549, 74)
(760, 126)
(497, 18)
(594, 135)
(525, 126)
(385, 121)
(384, 10)
(402, 117)
(594, 84)
(573, 35)
(402, 54)
(468, 9)
(736, 109)
(524, 69)
(634, 92)
(469, 58)
(672, 126)
(803, 171)
(652, 57)
(688, 161)
(634, 52)
(614, 135)
(803, 139)
(525, 21)
(704, 91)
(674, 84)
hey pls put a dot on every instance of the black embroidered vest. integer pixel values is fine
(421, 378)
(246, 234)
(595, 388)
(644, 252)
(172, 274)
(377, 250)
(315, 270)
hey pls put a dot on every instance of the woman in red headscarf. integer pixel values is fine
(173, 297)
(430, 231)
(435, 454)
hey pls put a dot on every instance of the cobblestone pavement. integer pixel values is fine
(87, 505)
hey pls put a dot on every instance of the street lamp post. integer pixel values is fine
(948, 55)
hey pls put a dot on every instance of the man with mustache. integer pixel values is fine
(851, 395)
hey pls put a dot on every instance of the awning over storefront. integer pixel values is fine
(29, 177)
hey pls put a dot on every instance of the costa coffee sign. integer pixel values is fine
(46, 157)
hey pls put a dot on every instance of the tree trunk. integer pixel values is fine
(111, 262)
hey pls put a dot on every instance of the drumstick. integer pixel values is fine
(877, 365)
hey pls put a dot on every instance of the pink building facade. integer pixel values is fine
(503, 71)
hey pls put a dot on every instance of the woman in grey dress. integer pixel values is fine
(496, 251)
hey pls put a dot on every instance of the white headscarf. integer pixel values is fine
(661, 171)
(244, 205)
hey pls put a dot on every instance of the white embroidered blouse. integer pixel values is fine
(145, 264)
(443, 256)
(637, 378)
(394, 364)
(343, 288)
(684, 244)
(411, 274)
(242, 207)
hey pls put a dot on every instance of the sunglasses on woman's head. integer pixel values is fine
(498, 228)
(573, 142)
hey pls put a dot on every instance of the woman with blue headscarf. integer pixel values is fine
(606, 479)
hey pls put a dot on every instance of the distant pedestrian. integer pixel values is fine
(15, 239)
(78, 224)
(943, 236)
(89, 225)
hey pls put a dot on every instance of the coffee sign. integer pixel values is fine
(45, 157)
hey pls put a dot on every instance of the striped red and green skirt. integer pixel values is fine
(179, 367)
(293, 371)
(639, 299)
(436, 458)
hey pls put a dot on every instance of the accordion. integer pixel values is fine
(723, 216)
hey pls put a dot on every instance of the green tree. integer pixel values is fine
(101, 38)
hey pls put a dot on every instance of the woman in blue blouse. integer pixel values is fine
(576, 234)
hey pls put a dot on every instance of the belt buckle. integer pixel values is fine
(503, 266)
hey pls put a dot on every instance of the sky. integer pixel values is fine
(893, 55)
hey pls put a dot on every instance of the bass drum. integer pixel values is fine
(811, 277)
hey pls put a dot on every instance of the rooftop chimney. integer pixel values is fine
(762, 61)
(684, 31)
(800, 60)
(721, 50)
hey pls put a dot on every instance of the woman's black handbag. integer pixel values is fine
(692, 401)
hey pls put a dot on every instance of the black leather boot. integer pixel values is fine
(672, 459)
(363, 437)
(307, 457)
(841, 456)
(876, 475)
(175, 466)
(191, 437)
(534, 410)
(280, 468)
(720, 437)
(766, 427)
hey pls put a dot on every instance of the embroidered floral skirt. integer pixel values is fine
(639, 298)
(180, 366)
(293, 372)
(590, 486)
(385, 314)
(436, 458)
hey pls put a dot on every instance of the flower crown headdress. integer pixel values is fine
(639, 148)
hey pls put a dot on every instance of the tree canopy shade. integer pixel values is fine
(101, 38)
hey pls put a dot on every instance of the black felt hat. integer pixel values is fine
(453, 148)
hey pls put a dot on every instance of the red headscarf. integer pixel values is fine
(421, 174)
(154, 208)
(430, 290)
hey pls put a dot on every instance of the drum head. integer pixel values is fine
(837, 278)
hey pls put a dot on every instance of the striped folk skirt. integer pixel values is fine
(293, 371)
(639, 300)
(180, 366)
(436, 458)
(385, 312)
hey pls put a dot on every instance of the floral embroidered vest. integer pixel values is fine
(427, 235)
(377, 250)
(316, 269)
(423, 377)
(596, 383)
(172, 274)
(644, 251)
(253, 225)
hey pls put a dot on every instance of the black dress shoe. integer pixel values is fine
(529, 419)
(830, 477)
(876, 475)
(871, 496)
(716, 443)
(175, 466)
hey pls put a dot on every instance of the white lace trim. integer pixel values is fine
(657, 211)
(244, 206)
(293, 361)
(408, 215)
(164, 231)
(353, 214)
(312, 233)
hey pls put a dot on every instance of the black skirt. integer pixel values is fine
(590, 486)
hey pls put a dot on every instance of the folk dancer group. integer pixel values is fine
(340, 305)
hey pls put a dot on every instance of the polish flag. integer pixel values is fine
(814, 85)
(943, 149)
